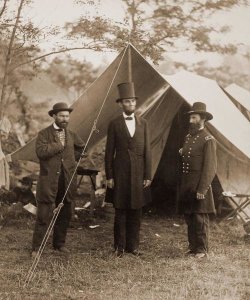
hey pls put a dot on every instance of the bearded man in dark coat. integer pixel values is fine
(128, 170)
(58, 149)
(199, 163)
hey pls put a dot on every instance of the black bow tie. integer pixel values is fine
(60, 129)
(129, 118)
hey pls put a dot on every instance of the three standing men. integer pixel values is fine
(58, 149)
(128, 170)
(199, 165)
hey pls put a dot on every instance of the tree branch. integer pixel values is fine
(52, 53)
(8, 58)
(3, 8)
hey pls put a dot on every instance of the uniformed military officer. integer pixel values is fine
(199, 164)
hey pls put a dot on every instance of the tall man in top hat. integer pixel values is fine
(128, 170)
(57, 148)
(199, 164)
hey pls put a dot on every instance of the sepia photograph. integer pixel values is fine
(125, 149)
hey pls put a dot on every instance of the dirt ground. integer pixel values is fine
(91, 271)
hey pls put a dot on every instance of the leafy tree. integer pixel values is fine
(156, 26)
(18, 42)
(224, 74)
(72, 76)
(153, 26)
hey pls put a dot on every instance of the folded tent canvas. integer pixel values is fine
(229, 127)
(162, 100)
(240, 97)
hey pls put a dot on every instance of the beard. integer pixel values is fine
(62, 125)
(129, 111)
(194, 128)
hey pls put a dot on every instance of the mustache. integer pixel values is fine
(194, 126)
(62, 124)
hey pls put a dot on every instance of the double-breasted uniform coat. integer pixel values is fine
(57, 165)
(199, 165)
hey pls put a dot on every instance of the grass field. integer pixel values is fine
(92, 272)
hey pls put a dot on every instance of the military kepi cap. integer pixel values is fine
(60, 106)
(126, 91)
(200, 108)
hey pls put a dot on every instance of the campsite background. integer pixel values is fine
(38, 68)
(53, 52)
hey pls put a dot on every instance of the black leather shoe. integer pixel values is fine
(189, 252)
(33, 254)
(119, 253)
(63, 249)
(201, 255)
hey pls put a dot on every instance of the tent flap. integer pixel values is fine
(160, 99)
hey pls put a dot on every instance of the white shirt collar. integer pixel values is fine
(55, 126)
(125, 116)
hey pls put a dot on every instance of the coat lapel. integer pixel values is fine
(137, 125)
(53, 133)
(124, 128)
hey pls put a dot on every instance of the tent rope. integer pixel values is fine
(59, 207)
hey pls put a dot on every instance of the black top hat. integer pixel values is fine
(200, 108)
(60, 106)
(26, 180)
(126, 91)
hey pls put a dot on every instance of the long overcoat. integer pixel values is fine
(128, 162)
(199, 165)
(55, 158)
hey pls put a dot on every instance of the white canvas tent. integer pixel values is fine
(240, 97)
(162, 100)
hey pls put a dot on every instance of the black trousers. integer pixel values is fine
(198, 231)
(44, 215)
(127, 225)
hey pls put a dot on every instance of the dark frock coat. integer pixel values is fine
(128, 162)
(55, 158)
(199, 165)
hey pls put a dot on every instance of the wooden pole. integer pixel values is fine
(130, 79)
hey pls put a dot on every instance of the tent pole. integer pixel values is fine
(178, 164)
(130, 79)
